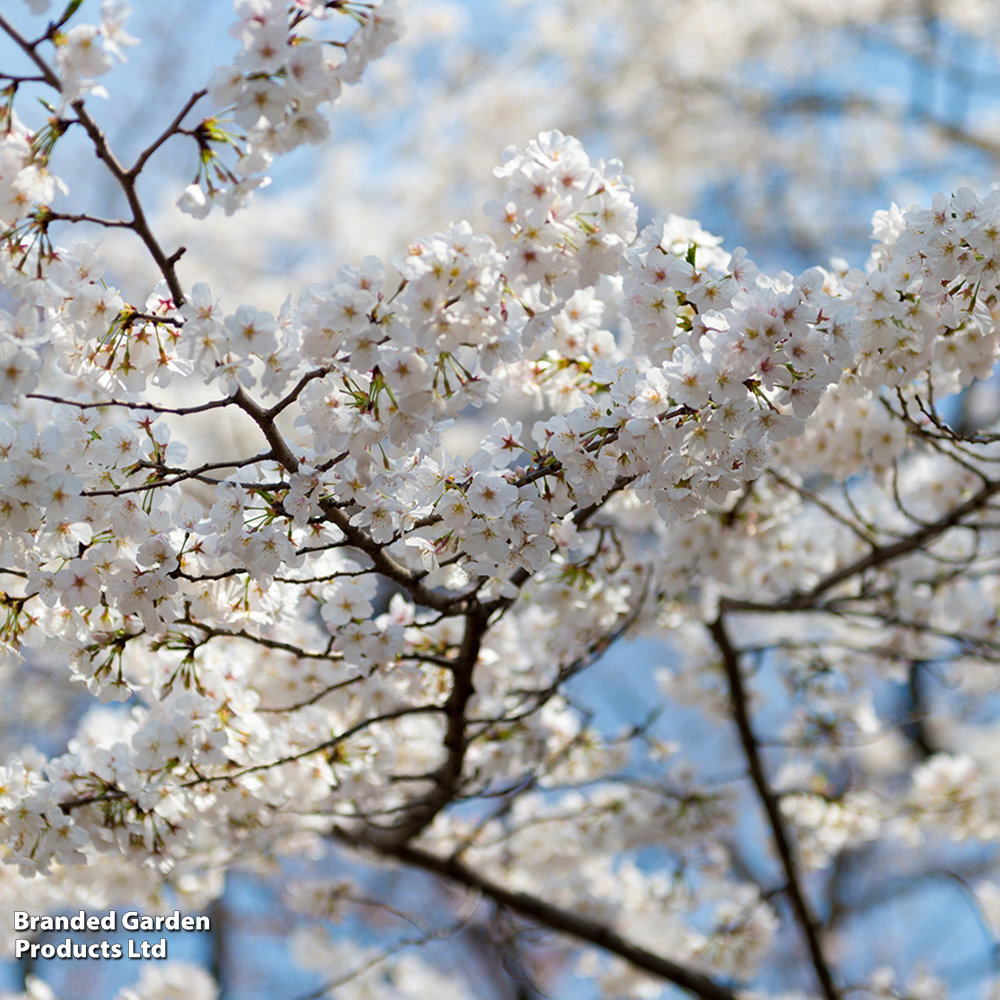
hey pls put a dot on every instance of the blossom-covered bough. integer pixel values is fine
(342, 625)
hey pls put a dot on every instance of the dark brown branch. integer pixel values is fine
(390, 568)
(448, 777)
(265, 421)
(50, 216)
(126, 178)
(915, 729)
(181, 411)
(170, 130)
(29, 49)
(318, 696)
(357, 536)
(117, 795)
(879, 556)
(803, 913)
(180, 476)
(285, 647)
(553, 917)
(297, 391)
(165, 264)
(824, 505)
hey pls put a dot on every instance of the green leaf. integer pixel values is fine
(71, 8)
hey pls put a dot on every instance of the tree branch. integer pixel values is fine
(738, 699)
(29, 49)
(553, 917)
(447, 777)
(878, 556)
(170, 130)
(166, 265)
(177, 411)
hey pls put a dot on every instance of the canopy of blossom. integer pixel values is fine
(353, 632)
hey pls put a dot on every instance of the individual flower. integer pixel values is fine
(490, 495)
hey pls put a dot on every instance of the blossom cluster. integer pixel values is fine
(85, 52)
(272, 96)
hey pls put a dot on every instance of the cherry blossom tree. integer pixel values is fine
(332, 576)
